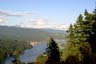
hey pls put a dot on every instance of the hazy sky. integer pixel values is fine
(42, 13)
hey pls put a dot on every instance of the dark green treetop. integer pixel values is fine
(52, 51)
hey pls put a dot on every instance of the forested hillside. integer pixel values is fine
(81, 47)
(30, 34)
(14, 40)
(12, 48)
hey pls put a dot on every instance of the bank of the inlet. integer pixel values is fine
(30, 55)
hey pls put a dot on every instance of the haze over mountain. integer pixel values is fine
(30, 34)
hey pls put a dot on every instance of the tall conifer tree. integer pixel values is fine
(52, 51)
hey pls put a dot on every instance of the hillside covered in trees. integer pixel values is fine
(80, 47)
(12, 48)
(30, 34)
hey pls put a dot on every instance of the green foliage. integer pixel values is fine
(52, 52)
(81, 40)
(41, 59)
(81, 46)
(16, 62)
(1, 57)
(72, 60)
(92, 39)
(13, 47)
(29, 34)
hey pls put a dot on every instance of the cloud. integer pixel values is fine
(40, 22)
(30, 23)
(14, 14)
(2, 20)
(34, 23)
(61, 27)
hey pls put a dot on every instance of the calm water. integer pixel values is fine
(31, 54)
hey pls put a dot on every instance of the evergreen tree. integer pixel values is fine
(93, 33)
(71, 33)
(1, 57)
(78, 30)
(52, 51)
(76, 34)
(79, 37)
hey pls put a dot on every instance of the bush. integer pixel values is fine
(41, 59)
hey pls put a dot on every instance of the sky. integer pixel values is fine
(55, 14)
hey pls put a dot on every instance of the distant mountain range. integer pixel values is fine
(30, 34)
